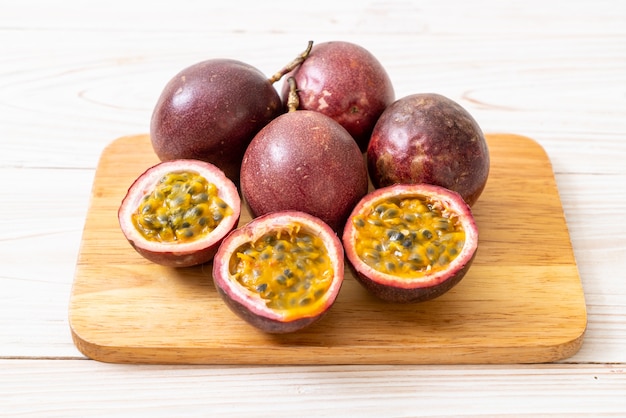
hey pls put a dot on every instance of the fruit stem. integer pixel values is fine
(293, 101)
(292, 65)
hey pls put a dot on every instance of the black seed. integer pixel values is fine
(202, 221)
(371, 255)
(359, 222)
(390, 266)
(280, 247)
(187, 233)
(282, 280)
(416, 266)
(443, 224)
(288, 273)
(179, 200)
(431, 253)
(305, 301)
(200, 198)
(390, 213)
(175, 221)
(395, 235)
(375, 222)
(427, 234)
(194, 211)
(261, 288)
(407, 243)
(185, 225)
(304, 238)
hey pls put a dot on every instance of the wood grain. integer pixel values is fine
(521, 302)
(338, 391)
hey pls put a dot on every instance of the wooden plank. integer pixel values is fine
(521, 302)
(82, 387)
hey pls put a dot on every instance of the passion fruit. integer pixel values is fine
(210, 111)
(429, 138)
(177, 212)
(410, 243)
(281, 272)
(346, 82)
(305, 161)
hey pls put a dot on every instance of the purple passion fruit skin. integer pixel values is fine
(410, 243)
(177, 212)
(281, 272)
(428, 138)
(304, 161)
(345, 82)
(210, 111)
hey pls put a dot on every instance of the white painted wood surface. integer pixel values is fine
(76, 75)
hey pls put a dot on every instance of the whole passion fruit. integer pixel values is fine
(304, 161)
(281, 272)
(410, 243)
(178, 212)
(346, 82)
(210, 111)
(428, 138)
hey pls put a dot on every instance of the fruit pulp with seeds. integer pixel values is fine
(407, 237)
(290, 269)
(182, 207)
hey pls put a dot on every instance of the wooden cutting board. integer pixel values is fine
(521, 302)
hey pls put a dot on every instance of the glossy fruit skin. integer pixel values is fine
(210, 111)
(429, 138)
(392, 289)
(185, 254)
(248, 305)
(304, 161)
(345, 82)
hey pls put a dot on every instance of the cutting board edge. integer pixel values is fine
(467, 355)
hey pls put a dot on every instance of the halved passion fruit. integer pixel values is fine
(410, 242)
(178, 212)
(281, 272)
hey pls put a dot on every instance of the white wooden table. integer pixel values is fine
(75, 75)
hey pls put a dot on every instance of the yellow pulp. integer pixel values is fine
(182, 207)
(407, 237)
(290, 269)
